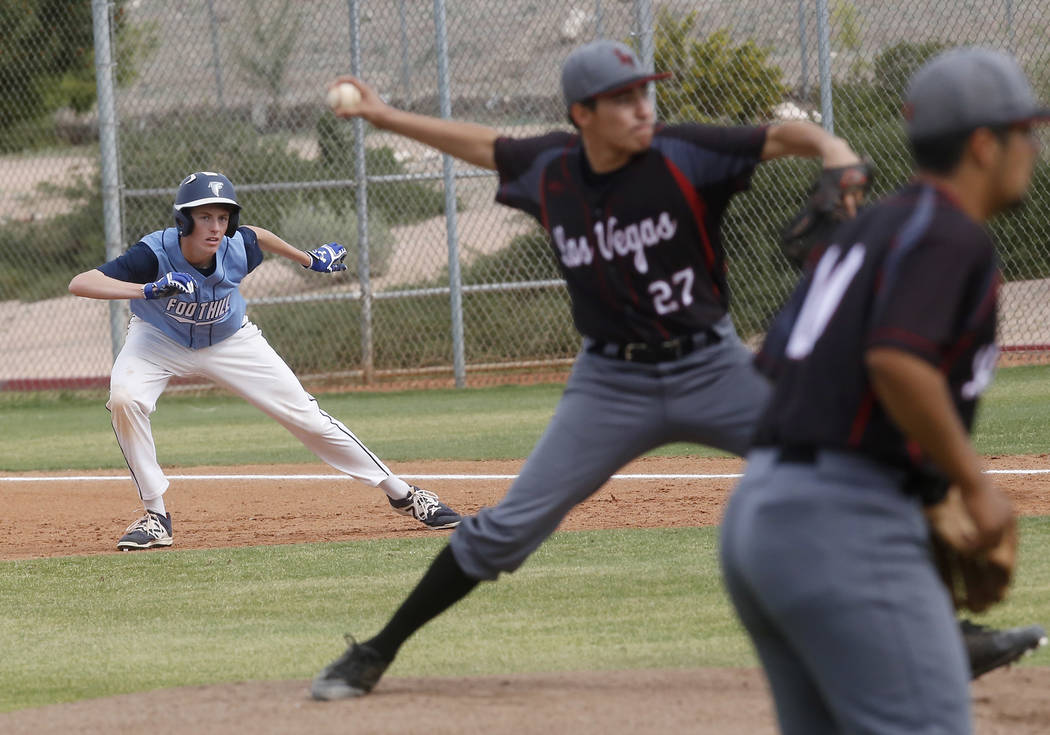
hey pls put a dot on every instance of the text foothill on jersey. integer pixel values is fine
(193, 312)
(631, 240)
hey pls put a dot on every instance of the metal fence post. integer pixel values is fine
(1011, 37)
(643, 18)
(216, 62)
(803, 50)
(368, 367)
(403, 22)
(110, 168)
(827, 107)
(454, 280)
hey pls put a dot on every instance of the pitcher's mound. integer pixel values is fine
(705, 701)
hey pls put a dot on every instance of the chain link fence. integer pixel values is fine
(444, 285)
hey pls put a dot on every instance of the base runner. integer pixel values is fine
(189, 319)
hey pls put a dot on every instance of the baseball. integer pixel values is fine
(343, 97)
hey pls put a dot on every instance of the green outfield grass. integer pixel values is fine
(65, 431)
(80, 627)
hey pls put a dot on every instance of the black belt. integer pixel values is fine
(798, 454)
(666, 351)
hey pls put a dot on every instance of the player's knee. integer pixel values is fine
(308, 420)
(485, 550)
(122, 401)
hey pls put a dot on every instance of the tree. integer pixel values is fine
(266, 50)
(47, 60)
(713, 79)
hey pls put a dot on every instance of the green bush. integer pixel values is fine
(264, 48)
(1021, 235)
(416, 332)
(713, 79)
(885, 143)
(760, 277)
(47, 62)
(37, 259)
(877, 95)
(894, 66)
(158, 156)
(402, 202)
(308, 224)
(528, 257)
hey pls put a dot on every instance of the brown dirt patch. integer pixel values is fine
(701, 701)
(225, 512)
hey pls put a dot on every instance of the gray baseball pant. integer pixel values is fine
(612, 412)
(827, 564)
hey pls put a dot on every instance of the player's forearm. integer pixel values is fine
(916, 397)
(807, 140)
(271, 243)
(94, 284)
(466, 141)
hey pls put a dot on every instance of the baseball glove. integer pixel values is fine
(975, 580)
(824, 209)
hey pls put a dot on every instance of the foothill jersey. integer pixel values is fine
(640, 247)
(215, 310)
(913, 273)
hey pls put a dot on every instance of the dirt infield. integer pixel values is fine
(223, 512)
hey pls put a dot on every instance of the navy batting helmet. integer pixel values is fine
(205, 187)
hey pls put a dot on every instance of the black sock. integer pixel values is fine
(442, 586)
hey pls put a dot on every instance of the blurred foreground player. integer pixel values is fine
(878, 360)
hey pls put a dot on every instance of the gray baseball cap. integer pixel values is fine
(967, 88)
(602, 67)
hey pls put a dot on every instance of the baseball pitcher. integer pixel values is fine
(633, 210)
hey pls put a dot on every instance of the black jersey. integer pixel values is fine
(912, 272)
(639, 247)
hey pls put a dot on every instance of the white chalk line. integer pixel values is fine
(727, 476)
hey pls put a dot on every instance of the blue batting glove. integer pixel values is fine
(327, 258)
(169, 284)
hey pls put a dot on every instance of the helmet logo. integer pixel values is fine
(216, 187)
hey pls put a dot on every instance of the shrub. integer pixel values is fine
(158, 156)
(1021, 235)
(760, 277)
(401, 202)
(37, 259)
(528, 257)
(894, 66)
(47, 62)
(263, 50)
(862, 99)
(714, 80)
(416, 332)
(307, 224)
(522, 324)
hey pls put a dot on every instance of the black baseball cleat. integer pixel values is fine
(351, 675)
(151, 531)
(990, 649)
(426, 508)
